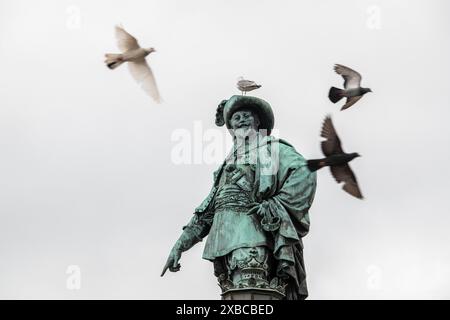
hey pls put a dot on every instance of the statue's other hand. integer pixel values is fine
(254, 207)
(172, 262)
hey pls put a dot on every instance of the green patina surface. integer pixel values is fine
(257, 211)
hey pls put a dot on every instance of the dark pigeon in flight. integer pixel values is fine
(352, 87)
(336, 159)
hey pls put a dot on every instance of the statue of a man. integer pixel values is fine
(257, 211)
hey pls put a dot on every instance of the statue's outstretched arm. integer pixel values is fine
(193, 233)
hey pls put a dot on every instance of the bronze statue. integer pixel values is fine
(257, 211)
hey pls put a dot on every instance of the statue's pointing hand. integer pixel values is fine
(188, 238)
(172, 261)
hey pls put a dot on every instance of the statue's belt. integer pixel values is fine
(232, 197)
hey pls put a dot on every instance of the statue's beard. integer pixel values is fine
(244, 132)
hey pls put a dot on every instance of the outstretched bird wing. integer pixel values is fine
(142, 73)
(332, 144)
(343, 173)
(125, 41)
(352, 79)
(350, 101)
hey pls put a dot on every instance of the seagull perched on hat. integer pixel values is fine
(246, 85)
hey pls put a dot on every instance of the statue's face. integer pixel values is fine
(244, 120)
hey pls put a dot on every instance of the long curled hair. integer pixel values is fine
(220, 120)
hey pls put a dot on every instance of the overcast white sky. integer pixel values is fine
(86, 173)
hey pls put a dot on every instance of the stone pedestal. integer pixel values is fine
(252, 294)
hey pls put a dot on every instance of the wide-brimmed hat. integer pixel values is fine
(262, 108)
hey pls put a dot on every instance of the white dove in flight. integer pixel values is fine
(135, 56)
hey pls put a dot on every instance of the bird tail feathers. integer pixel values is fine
(335, 94)
(314, 165)
(113, 60)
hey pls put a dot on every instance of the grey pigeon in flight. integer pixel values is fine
(247, 85)
(352, 87)
(135, 56)
(336, 159)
